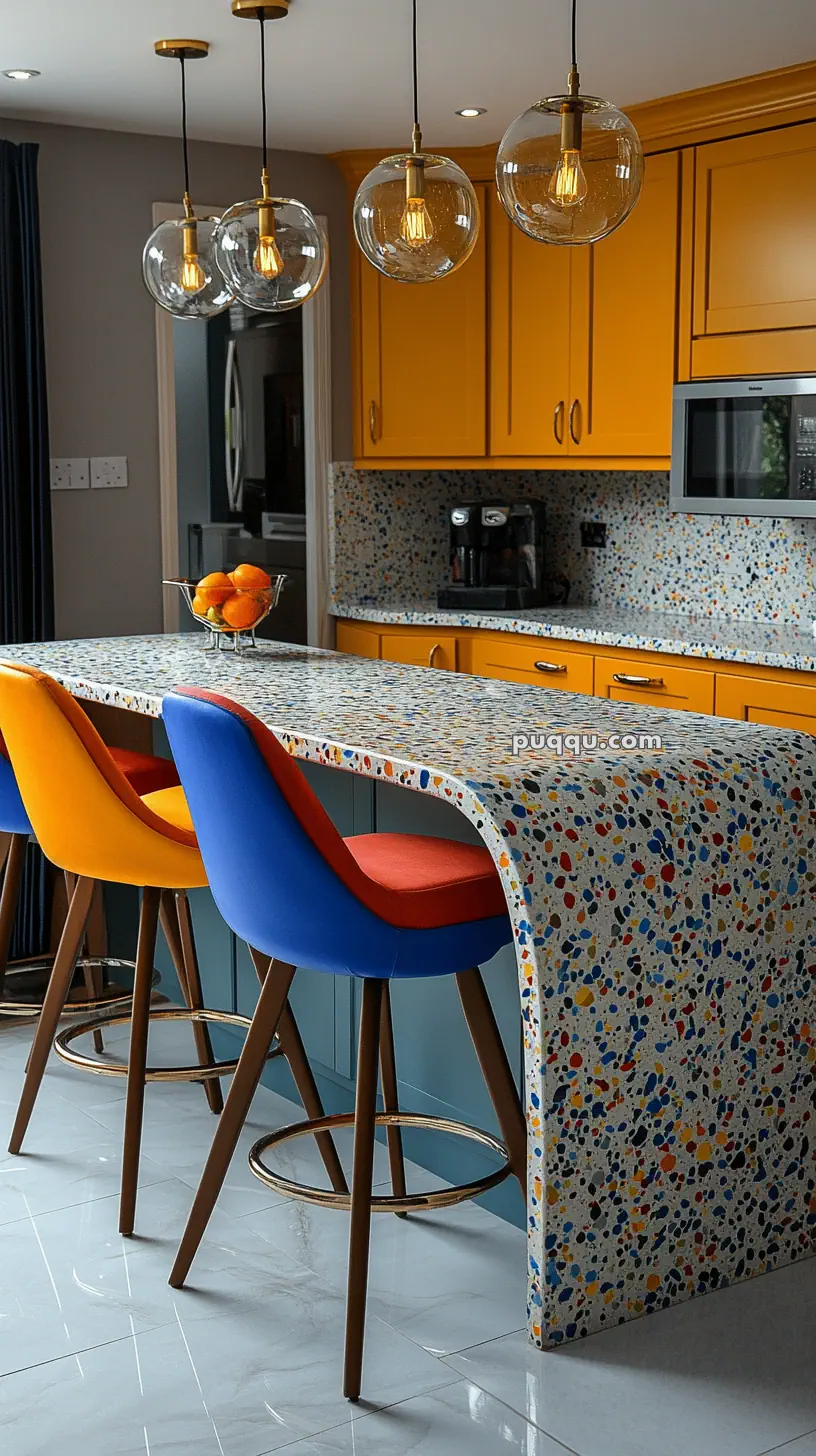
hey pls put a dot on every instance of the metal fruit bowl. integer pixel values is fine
(219, 631)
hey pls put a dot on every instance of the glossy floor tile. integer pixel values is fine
(460, 1420)
(728, 1375)
(98, 1355)
(421, 1275)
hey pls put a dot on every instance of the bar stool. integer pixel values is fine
(91, 823)
(146, 774)
(376, 906)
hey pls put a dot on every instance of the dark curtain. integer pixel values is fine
(26, 570)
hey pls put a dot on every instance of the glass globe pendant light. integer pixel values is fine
(416, 215)
(178, 263)
(271, 251)
(570, 169)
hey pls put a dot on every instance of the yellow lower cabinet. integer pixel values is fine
(655, 682)
(775, 701)
(358, 641)
(420, 649)
(537, 661)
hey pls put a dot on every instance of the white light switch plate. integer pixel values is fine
(109, 472)
(69, 474)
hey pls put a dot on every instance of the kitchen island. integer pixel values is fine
(663, 909)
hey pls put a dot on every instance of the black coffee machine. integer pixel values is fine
(497, 558)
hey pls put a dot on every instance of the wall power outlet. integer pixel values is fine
(109, 472)
(70, 474)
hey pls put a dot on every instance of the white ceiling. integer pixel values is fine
(340, 69)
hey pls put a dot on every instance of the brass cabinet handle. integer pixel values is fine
(550, 666)
(630, 680)
(372, 421)
(576, 439)
(558, 422)
(437, 647)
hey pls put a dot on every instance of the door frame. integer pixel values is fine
(316, 317)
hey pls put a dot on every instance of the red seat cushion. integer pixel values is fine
(144, 772)
(430, 882)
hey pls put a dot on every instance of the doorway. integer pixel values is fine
(199, 417)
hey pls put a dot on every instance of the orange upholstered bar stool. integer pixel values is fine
(91, 823)
(146, 774)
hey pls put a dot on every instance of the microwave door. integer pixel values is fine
(748, 447)
(234, 428)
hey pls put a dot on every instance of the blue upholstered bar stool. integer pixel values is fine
(376, 906)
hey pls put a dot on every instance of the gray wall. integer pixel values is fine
(97, 191)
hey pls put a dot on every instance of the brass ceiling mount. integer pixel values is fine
(260, 9)
(183, 50)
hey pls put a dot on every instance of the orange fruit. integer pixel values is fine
(241, 611)
(250, 578)
(199, 606)
(215, 588)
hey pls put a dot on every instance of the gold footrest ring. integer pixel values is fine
(78, 1003)
(197, 1073)
(411, 1202)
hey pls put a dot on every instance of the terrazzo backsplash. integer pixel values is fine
(389, 543)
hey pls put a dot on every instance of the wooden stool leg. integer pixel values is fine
(274, 992)
(364, 1129)
(495, 1069)
(55, 998)
(178, 932)
(9, 899)
(137, 1058)
(294, 1051)
(388, 1075)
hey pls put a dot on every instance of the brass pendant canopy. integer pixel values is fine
(260, 9)
(182, 50)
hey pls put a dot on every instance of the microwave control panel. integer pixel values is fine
(803, 448)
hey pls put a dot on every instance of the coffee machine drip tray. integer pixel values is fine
(463, 598)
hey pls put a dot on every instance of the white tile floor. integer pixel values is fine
(98, 1355)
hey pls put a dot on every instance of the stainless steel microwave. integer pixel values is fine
(745, 447)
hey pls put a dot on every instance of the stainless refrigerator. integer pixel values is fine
(253, 507)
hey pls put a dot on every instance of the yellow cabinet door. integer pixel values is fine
(755, 261)
(357, 640)
(544, 663)
(423, 358)
(529, 341)
(780, 704)
(624, 326)
(655, 682)
(420, 649)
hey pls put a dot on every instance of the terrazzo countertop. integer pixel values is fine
(664, 918)
(762, 643)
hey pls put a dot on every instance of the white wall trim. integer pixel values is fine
(317, 408)
(317, 397)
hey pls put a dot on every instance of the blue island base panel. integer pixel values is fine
(663, 909)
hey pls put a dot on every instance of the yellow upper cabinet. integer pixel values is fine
(423, 351)
(583, 340)
(755, 258)
(529, 341)
(624, 326)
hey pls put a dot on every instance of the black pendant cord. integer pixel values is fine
(575, 34)
(264, 143)
(184, 127)
(416, 70)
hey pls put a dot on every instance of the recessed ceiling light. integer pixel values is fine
(472, 111)
(20, 75)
